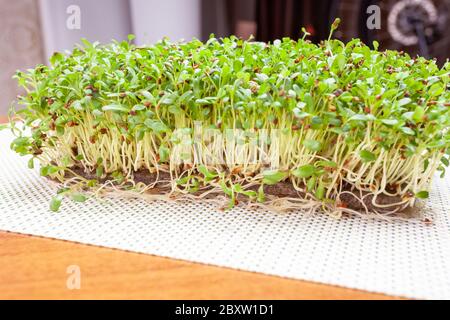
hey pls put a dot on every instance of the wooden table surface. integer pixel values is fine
(37, 268)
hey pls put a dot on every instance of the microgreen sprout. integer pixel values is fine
(350, 122)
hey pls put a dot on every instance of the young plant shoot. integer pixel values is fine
(289, 125)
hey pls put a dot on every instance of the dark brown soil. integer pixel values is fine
(281, 189)
(353, 203)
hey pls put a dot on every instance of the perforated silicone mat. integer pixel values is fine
(408, 259)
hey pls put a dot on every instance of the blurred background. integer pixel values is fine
(33, 29)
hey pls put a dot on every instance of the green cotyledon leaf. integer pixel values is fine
(367, 156)
(312, 145)
(115, 107)
(422, 195)
(272, 177)
(305, 171)
(55, 203)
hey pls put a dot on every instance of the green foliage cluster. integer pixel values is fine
(347, 113)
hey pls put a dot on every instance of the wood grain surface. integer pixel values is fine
(36, 268)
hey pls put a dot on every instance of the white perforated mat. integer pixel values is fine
(408, 259)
